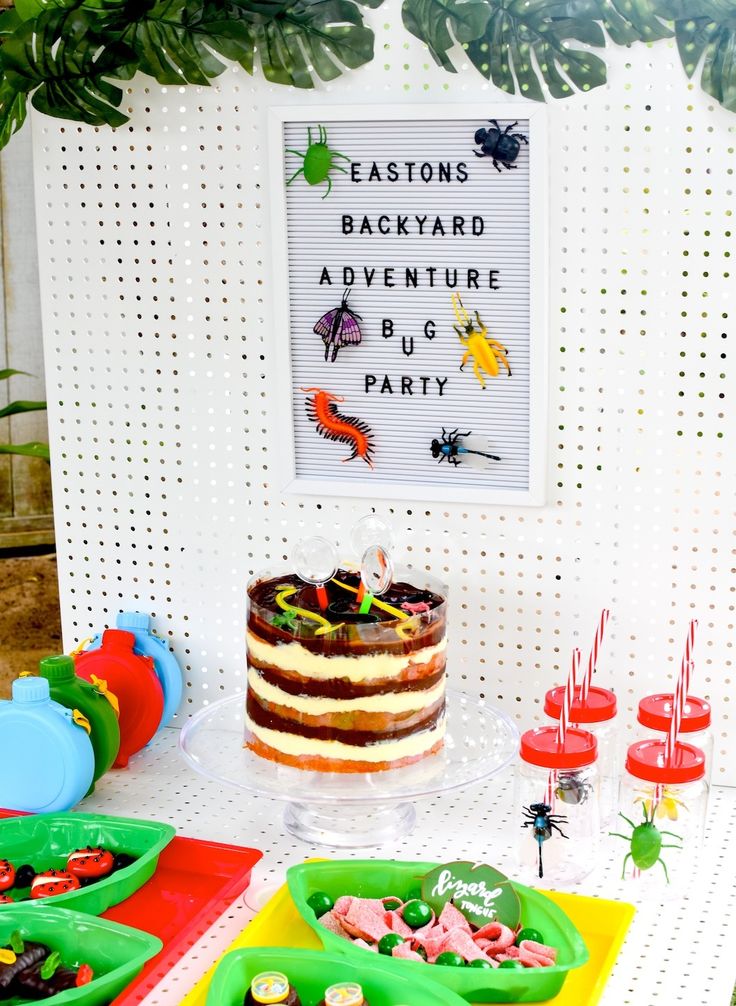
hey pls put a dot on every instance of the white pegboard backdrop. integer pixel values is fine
(156, 279)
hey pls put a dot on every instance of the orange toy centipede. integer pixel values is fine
(332, 425)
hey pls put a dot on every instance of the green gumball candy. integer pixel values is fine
(479, 963)
(421, 951)
(511, 965)
(416, 914)
(415, 894)
(320, 903)
(529, 934)
(451, 960)
(387, 943)
(391, 904)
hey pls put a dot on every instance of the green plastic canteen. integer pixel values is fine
(115, 953)
(310, 972)
(45, 841)
(371, 878)
(74, 693)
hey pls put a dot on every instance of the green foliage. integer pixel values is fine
(435, 22)
(526, 40)
(706, 30)
(66, 55)
(34, 449)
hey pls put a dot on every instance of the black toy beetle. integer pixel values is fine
(500, 144)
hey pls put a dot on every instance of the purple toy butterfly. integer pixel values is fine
(339, 327)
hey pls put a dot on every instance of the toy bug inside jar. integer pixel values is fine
(557, 798)
(662, 817)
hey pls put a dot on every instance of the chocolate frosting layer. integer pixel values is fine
(357, 738)
(371, 633)
(339, 688)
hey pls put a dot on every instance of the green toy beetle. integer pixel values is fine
(646, 843)
(318, 161)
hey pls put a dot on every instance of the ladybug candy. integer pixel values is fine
(7, 875)
(90, 863)
(46, 885)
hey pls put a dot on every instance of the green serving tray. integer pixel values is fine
(374, 878)
(310, 972)
(45, 841)
(115, 953)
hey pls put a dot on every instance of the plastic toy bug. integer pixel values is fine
(317, 161)
(570, 789)
(645, 844)
(500, 144)
(333, 425)
(486, 353)
(449, 448)
(339, 327)
(543, 823)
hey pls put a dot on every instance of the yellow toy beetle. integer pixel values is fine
(486, 353)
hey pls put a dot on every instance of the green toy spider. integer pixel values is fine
(318, 161)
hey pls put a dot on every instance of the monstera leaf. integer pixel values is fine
(435, 22)
(309, 39)
(708, 28)
(625, 21)
(13, 106)
(58, 56)
(526, 39)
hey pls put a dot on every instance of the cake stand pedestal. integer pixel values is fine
(352, 810)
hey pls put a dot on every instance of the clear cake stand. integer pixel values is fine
(355, 809)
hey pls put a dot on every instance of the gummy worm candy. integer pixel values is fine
(325, 626)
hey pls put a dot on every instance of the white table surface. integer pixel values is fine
(680, 952)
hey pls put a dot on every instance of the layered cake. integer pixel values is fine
(334, 690)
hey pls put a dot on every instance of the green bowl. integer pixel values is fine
(45, 841)
(310, 972)
(374, 878)
(115, 953)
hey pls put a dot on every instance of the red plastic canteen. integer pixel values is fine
(133, 680)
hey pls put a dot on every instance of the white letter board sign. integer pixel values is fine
(411, 301)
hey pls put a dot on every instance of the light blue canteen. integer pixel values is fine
(46, 758)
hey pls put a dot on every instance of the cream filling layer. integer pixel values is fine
(294, 744)
(391, 702)
(296, 658)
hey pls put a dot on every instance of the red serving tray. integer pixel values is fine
(194, 883)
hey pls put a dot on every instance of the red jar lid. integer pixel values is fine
(655, 712)
(599, 706)
(540, 747)
(645, 760)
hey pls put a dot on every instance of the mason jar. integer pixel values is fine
(661, 821)
(598, 715)
(557, 799)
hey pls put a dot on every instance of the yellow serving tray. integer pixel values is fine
(602, 924)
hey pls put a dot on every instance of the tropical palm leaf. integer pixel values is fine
(5, 374)
(526, 42)
(59, 57)
(439, 23)
(706, 30)
(309, 39)
(625, 21)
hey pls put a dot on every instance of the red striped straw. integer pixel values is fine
(569, 696)
(593, 658)
(682, 687)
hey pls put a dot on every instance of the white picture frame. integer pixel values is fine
(290, 480)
